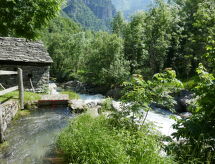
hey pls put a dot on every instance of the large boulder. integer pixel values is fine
(185, 115)
(76, 86)
(80, 106)
(114, 93)
(184, 99)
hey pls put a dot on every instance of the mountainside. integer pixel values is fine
(91, 14)
(128, 7)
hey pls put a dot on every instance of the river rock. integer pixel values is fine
(114, 93)
(76, 86)
(116, 105)
(80, 106)
(184, 99)
(185, 115)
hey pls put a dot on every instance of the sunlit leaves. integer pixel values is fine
(140, 93)
(23, 18)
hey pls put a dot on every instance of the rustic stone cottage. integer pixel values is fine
(31, 57)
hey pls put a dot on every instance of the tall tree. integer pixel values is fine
(158, 26)
(106, 65)
(118, 24)
(134, 43)
(65, 43)
(148, 38)
(198, 19)
(23, 18)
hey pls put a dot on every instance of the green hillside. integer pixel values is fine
(91, 14)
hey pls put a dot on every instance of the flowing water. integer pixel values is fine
(32, 138)
(160, 117)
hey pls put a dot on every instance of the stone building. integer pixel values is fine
(31, 57)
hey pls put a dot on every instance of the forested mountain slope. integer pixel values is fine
(92, 14)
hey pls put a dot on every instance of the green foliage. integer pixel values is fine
(29, 96)
(197, 20)
(134, 43)
(196, 134)
(205, 90)
(94, 58)
(140, 93)
(210, 55)
(158, 23)
(4, 146)
(174, 34)
(95, 140)
(64, 39)
(118, 24)
(26, 18)
(106, 105)
(148, 39)
(190, 83)
(106, 65)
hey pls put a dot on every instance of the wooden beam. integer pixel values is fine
(21, 88)
(1, 126)
(8, 90)
(8, 72)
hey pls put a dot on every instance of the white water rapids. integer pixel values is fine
(160, 117)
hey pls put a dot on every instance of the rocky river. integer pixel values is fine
(31, 139)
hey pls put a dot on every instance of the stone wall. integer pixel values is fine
(7, 112)
(39, 76)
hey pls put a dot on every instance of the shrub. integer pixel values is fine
(95, 140)
(196, 134)
(190, 83)
(107, 105)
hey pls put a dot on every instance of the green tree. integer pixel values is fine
(148, 39)
(106, 65)
(65, 43)
(196, 135)
(24, 18)
(158, 35)
(118, 24)
(141, 94)
(134, 46)
(197, 19)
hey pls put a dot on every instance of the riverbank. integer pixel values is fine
(31, 139)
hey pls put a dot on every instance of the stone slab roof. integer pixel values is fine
(22, 50)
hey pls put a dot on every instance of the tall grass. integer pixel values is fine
(95, 141)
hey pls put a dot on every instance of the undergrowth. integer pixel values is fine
(96, 140)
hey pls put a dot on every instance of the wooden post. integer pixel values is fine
(21, 88)
(1, 126)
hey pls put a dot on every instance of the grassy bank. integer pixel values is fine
(97, 140)
(29, 96)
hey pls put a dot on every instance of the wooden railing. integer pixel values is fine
(19, 87)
